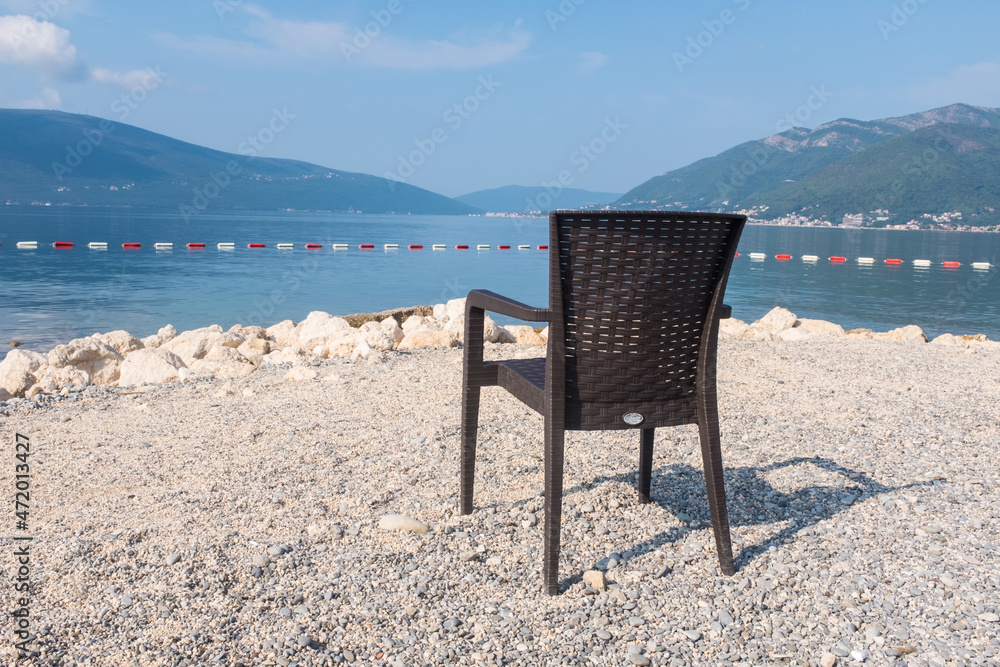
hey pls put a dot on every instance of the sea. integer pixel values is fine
(51, 295)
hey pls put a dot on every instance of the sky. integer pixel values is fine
(462, 96)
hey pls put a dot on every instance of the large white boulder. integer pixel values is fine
(91, 355)
(318, 327)
(248, 332)
(428, 338)
(121, 341)
(254, 349)
(950, 340)
(441, 312)
(421, 323)
(293, 355)
(391, 327)
(150, 366)
(807, 329)
(283, 334)
(373, 335)
(17, 370)
(455, 308)
(197, 343)
(778, 319)
(733, 328)
(342, 343)
(160, 337)
(494, 333)
(524, 334)
(911, 333)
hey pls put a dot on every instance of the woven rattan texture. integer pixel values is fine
(636, 291)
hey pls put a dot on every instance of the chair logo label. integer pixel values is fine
(633, 419)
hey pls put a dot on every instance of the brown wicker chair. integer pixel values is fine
(635, 299)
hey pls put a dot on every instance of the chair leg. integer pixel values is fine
(554, 438)
(645, 462)
(711, 455)
(470, 427)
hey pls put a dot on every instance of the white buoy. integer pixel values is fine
(438, 246)
(163, 246)
(482, 246)
(339, 246)
(97, 245)
(981, 265)
(27, 244)
(810, 258)
(285, 246)
(866, 260)
(757, 255)
(921, 262)
(391, 246)
(226, 246)
(524, 247)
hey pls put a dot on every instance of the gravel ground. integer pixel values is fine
(236, 522)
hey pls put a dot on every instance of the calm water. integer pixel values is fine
(52, 295)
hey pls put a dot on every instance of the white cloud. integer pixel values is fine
(327, 41)
(592, 60)
(127, 81)
(40, 45)
(49, 98)
(977, 84)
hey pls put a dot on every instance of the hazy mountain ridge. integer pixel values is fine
(933, 163)
(67, 159)
(533, 199)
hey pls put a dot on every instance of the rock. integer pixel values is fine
(456, 327)
(524, 334)
(778, 319)
(226, 354)
(254, 349)
(733, 328)
(989, 617)
(400, 522)
(98, 359)
(150, 366)
(376, 337)
(420, 323)
(249, 332)
(859, 655)
(197, 343)
(950, 340)
(441, 313)
(342, 343)
(121, 341)
(828, 660)
(807, 329)
(693, 635)
(494, 333)
(233, 370)
(318, 327)
(391, 327)
(422, 338)
(292, 355)
(455, 308)
(5, 395)
(17, 370)
(261, 560)
(282, 334)
(544, 333)
(315, 529)
(365, 351)
(866, 334)
(757, 332)
(638, 659)
(51, 378)
(910, 334)
(595, 579)
(162, 336)
(172, 559)
(300, 373)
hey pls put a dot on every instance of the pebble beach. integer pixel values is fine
(305, 513)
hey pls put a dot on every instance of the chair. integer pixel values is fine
(635, 299)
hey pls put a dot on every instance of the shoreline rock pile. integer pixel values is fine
(119, 359)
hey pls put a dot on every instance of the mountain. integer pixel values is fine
(68, 159)
(528, 199)
(918, 167)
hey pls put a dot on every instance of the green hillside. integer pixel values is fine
(66, 159)
(848, 167)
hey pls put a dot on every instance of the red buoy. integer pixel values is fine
(313, 246)
(131, 246)
(462, 247)
(543, 247)
(196, 245)
(951, 265)
(736, 255)
(838, 259)
(255, 245)
(893, 261)
(503, 247)
(367, 246)
(782, 258)
(63, 244)
(416, 246)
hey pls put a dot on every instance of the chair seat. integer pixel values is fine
(524, 378)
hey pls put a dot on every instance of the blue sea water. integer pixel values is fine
(49, 295)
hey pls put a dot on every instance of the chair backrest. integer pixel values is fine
(635, 298)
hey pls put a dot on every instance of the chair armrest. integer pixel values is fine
(495, 303)
(725, 312)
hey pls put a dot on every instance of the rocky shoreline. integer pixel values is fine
(304, 511)
(118, 359)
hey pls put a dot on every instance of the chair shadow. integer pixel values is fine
(751, 500)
